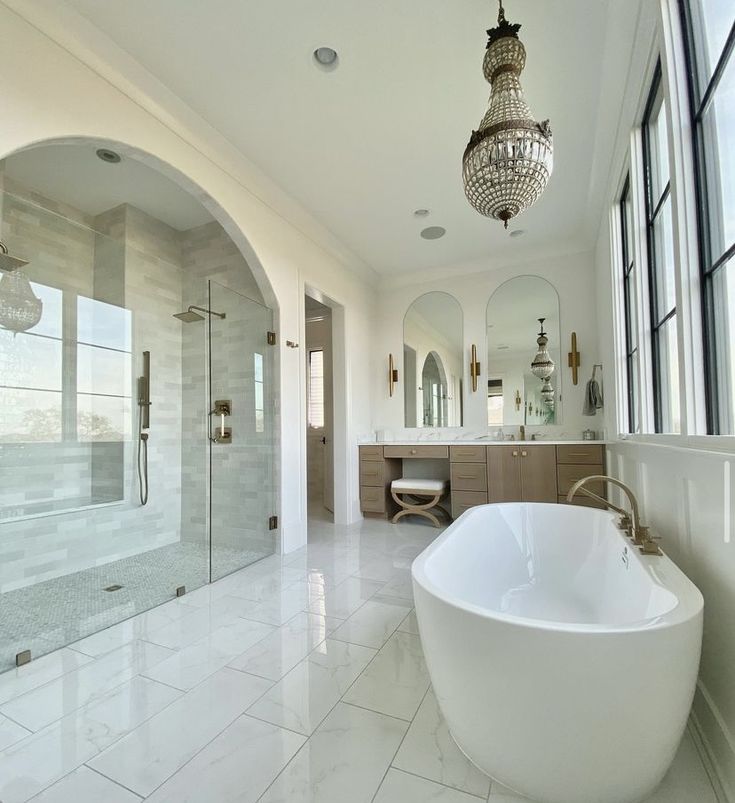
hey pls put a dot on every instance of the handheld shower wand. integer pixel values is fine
(144, 422)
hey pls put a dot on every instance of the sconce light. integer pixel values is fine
(518, 400)
(392, 374)
(474, 368)
(574, 360)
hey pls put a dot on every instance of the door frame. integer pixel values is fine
(344, 472)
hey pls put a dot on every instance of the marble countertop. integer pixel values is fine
(483, 442)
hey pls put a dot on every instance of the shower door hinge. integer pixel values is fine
(273, 523)
(271, 338)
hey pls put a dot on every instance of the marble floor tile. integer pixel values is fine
(39, 760)
(410, 624)
(292, 600)
(302, 699)
(400, 787)
(279, 652)
(396, 680)
(197, 661)
(371, 625)
(140, 627)
(687, 779)
(236, 767)
(16, 682)
(429, 751)
(86, 786)
(152, 753)
(344, 599)
(46, 704)
(10, 732)
(400, 585)
(344, 760)
(195, 624)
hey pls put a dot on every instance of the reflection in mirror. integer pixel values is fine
(515, 393)
(432, 362)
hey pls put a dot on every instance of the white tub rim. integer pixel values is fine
(689, 601)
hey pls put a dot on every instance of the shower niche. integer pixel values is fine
(109, 481)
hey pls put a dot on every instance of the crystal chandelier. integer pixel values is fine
(547, 393)
(542, 365)
(509, 159)
(20, 309)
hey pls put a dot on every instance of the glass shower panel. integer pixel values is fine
(242, 496)
(78, 550)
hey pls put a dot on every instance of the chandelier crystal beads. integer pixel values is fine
(509, 159)
(20, 309)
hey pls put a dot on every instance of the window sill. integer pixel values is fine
(718, 444)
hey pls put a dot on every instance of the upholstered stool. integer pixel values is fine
(406, 491)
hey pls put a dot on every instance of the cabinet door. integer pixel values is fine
(504, 474)
(538, 473)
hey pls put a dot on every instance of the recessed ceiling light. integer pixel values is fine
(518, 233)
(108, 156)
(433, 233)
(421, 213)
(326, 58)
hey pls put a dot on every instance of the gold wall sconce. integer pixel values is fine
(574, 359)
(392, 374)
(474, 368)
(518, 400)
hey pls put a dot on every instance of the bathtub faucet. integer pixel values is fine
(641, 534)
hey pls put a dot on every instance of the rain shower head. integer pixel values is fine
(190, 316)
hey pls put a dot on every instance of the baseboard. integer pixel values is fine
(715, 744)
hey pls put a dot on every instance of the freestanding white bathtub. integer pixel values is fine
(563, 660)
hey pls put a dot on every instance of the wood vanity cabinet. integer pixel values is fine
(521, 474)
(467, 477)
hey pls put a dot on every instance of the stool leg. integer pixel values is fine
(418, 509)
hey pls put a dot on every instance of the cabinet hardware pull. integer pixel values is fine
(524, 454)
(515, 454)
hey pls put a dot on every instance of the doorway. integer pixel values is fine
(319, 410)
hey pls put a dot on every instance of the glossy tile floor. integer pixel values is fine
(296, 679)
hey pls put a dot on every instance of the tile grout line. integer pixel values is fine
(111, 780)
(400, 744)
(451, 788)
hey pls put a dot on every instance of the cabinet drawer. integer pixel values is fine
(587, 455)
(416, 451)
(372, 474)
(469, 477)
(583, 501)
(568, 475)
(371, 453)
(372, 500)
(464, 500)
(468, 454)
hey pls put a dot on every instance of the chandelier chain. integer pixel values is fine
(501, 12)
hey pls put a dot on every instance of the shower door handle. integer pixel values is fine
(222, 408)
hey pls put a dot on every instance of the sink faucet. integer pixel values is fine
(522, 432)
(641, 534)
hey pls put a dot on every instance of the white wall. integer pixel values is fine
(472, 285)
(57, 95)
(685, 482)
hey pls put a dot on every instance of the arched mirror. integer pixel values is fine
(432, 362)
(523, 354)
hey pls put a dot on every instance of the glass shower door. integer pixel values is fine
(241, 401)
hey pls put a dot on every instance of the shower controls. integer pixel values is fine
(222, 434)
(144, 422)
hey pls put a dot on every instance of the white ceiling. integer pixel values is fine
(73, 174)
(362, 146)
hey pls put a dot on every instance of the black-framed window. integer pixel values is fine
(630, 299)
(661, 265)
(710, 43)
